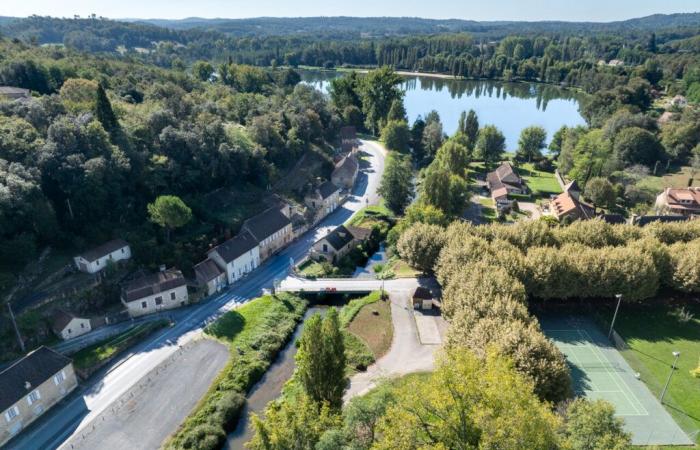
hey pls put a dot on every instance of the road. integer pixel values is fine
(78, 410)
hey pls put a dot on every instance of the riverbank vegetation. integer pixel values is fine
(254, 333)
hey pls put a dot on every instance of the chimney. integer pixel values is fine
(27, 385)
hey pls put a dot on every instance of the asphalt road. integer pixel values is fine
(77, 411)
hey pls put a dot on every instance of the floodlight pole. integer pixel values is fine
(617, 308)
(668, 381)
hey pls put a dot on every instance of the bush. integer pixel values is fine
(686, 266)
(420, 246)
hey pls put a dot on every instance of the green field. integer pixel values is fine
(652, 335)
(542, 184)
(488, 210)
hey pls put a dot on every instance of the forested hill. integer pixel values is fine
(393, 26)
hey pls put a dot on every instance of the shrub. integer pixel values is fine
(686, 266)
(420, 246)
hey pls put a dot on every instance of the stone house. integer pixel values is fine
(31, 386)
(210, 276)
(323, 200)
(236, 257)
(345, 172)
(151, 293)
(67, 325)
(96, 259)
(13, 93)
(272, 230)
(339, 242)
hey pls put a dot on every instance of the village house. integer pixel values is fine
(323, 200)
(422, 298)
(272, 229)
(166, 289)
(210, 276)
(684, 202)
(339, 242)
(348, 139)
(13, 93)
(236, 257)
(67, 325)
(96, 259)
(502, 182)
(569, 206)
(345, 172)
(31, 386)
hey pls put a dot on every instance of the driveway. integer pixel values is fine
(406, 355)
(146, 414)
(530, 208)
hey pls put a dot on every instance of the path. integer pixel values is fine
(406, 355)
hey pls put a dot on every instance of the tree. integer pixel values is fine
(471, 128)
(396, 136)
(432, 139)
(397, 111)
(202, 70)
(321, 360)
(169, 212)
(466, 404)
(453, 156)
(444, 190)
(104, 112)
(558, 137)
(490, 145)
(379, 89)
(420, 246)
(592, 425)
(396, 186)
(637, 146)
(417, 139)
(532, 141)
(600, 192)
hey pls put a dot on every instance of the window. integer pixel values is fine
(59, 377)
(172, 296)
(144, 305)
(325, 248)
(159, 300)
(33, 397)
(82, 325)
(11, 413)
(123, 251)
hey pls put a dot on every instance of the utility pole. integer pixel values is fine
(668, 381)
(14, 323)
(612, 325)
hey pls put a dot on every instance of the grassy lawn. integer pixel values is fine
(488, 210)
(94, 355)
(542, 184)
(361, 345)
(255, 333)
(677, 178)
(370, 216)
(401, 269)
(652, 334)
(373, 325)
(313, 269)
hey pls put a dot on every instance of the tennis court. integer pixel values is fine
(599, 372)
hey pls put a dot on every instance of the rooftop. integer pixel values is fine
(237, 246)
(29, 372)
(207, 270)
(103, 250)
(326, 189)
(152, 284)
(266, 223)
(60, 319)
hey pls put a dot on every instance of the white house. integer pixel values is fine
(67, 325)
(237, 256)
(323, 200)
(96, 259)
(166, 289)
(272, 230)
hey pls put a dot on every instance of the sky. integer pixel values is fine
(571, 10)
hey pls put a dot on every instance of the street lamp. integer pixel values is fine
(673, 369)
(612, 325)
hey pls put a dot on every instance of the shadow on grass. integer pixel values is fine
(227, 326)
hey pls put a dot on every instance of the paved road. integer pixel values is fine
(78, 410)
(406, 355)
(351, 285)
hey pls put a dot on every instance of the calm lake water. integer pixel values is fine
(509, 106)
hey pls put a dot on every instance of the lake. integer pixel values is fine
(509, 106)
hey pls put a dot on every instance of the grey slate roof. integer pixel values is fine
(35, 368)
(207, 270)
(422, 293)
(9, 90)
(266, 223)
(346, 167)
(61, 318)
(104, 249)
(646, 220)
(327, 188)
(340, 237)
(237, 246)
(504, 176)
(152, 284)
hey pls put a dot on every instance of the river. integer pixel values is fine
(509, 106)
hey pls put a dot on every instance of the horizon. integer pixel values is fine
(596, 11)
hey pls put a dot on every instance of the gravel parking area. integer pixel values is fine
(151, 410)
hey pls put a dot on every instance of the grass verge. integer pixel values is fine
(91, 358)
(373, 325)
(254, 333)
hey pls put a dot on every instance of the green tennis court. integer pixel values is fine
(599, 371)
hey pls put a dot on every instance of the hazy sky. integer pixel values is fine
(580, 10)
